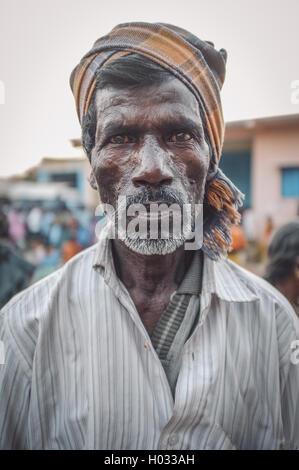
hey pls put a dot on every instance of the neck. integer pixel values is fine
(147, 273)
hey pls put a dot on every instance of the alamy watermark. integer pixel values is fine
(151, 227)
(295, 352)
(295, 92)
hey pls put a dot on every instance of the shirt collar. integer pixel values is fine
(218, 277)
(221, 278)
(103, 257)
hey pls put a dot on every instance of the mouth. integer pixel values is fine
(157, 210)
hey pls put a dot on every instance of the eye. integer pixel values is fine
(120, 139)
(180, 137)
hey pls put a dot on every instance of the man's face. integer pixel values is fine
(150, 146)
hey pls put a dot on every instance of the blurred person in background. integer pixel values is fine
(34, 221)
(84, 218)
(35, 251)
(15, 271)
(238, 245)
(17, 226)
(47, 237)
(268, 230)
(70, 247)
(50, 262)
(47, 220)
(283, 262)
(250, 230)
(58, 230)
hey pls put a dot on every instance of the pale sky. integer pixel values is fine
(42, 40)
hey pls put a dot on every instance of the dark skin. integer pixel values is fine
(149, 137)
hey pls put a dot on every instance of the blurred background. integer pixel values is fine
(47, 207)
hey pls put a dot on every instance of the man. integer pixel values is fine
(139, 343)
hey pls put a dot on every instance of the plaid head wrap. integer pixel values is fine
(202, 69)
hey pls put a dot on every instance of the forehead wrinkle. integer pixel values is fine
(128, 106)
(144, 123)
(129, 93)
(172, 92)
(136, 115)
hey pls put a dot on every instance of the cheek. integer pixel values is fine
(193, 166)
(111, 169)
(197, 170)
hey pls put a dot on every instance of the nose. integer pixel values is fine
(153, 168)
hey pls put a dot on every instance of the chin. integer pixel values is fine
(153, 247)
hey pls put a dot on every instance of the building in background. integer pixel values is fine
(261, 157)
(64, 179)
(74, 172)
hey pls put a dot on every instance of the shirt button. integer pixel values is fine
(146, 346)
(173, 439)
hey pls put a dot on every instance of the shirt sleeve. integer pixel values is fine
(14, 392)
(290, 408)
(290, 385)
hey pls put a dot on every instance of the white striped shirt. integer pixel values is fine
(80, 371)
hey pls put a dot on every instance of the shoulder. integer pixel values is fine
(266, 294)
(42, 290)
(22, 316)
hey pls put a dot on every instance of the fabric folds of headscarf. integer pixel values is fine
(202, 69)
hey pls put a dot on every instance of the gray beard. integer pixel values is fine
(153, 247)
(139, 242)
(157, 246)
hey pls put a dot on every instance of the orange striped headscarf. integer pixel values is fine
(202, 69)
(197, 63)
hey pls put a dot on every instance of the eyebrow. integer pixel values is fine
(165, 125)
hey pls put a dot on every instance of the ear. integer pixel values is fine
(92, 181)
(296, 269)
